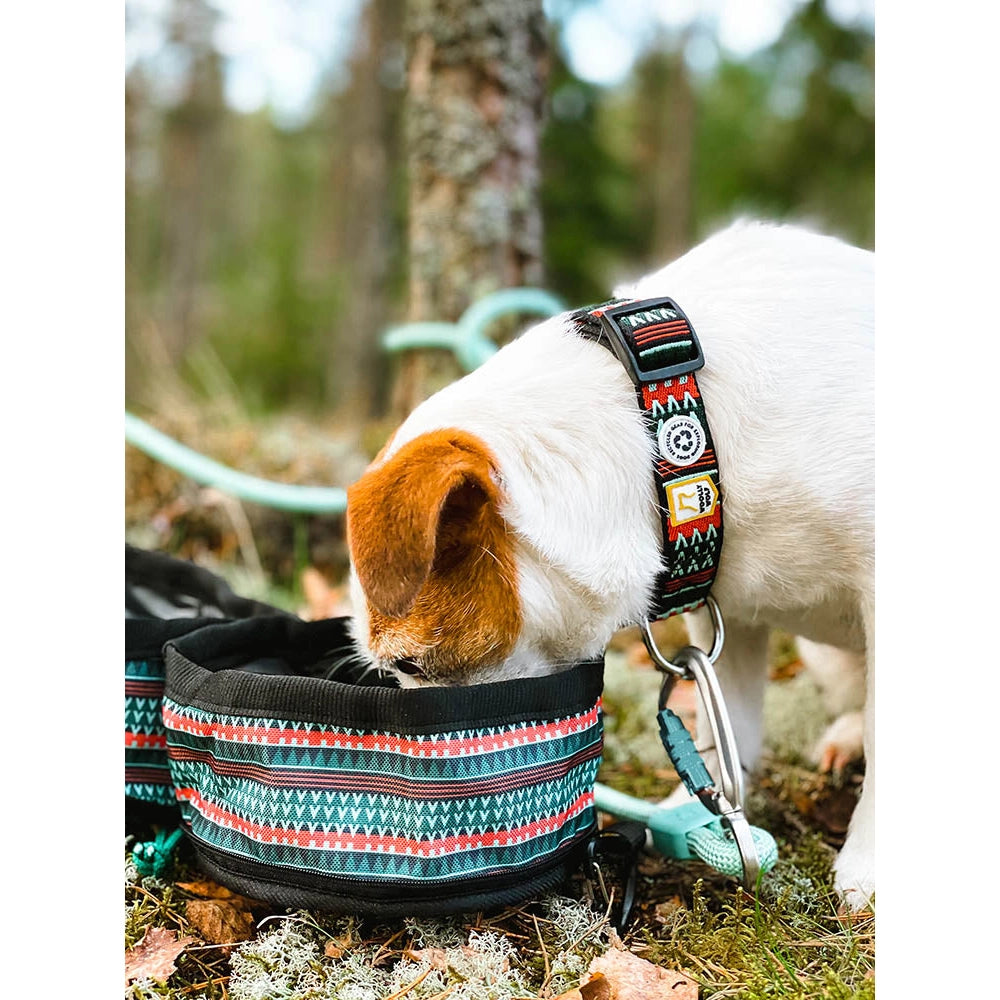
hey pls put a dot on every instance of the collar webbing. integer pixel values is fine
(659, 349)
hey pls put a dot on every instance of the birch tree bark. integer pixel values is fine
(475, 89)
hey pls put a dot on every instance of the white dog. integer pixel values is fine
(510, 525)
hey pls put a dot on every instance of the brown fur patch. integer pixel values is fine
(433, 556)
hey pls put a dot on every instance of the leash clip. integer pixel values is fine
(691, 663)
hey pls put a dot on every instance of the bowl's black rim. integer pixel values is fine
(201, 674)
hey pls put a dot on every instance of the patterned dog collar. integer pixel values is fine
(658, 347)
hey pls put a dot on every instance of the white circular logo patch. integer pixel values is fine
(682, 440)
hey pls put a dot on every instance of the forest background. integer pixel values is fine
(273, 184)
(242, 238)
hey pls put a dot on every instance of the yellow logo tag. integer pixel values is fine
(691, 498)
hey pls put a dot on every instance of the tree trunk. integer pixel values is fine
(366, 152)
(667, 125)
(191, 149)
(475, 87)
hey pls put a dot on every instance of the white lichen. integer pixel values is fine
(287, 961)
(284, 961)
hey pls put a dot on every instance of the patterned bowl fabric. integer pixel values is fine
(305, 780)
(147, 768)
(164, 598)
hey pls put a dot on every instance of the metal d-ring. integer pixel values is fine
(662, 663)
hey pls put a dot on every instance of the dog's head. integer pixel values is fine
(509, 525)
(434, 566)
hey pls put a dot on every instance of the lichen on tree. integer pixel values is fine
(475, 90)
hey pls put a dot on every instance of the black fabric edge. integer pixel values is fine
(165, 573)
(392, 899)
(145, 637)
(231, 643)
(196, 683)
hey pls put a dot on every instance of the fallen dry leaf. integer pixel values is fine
(335, 947)
(220, 916)
(785, 671)
(632, 978)
(596, 988)
(219, 921)
(208, 889)
(668, 909)
(834, 809)
(153, 957)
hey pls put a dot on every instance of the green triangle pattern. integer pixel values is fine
(357, 761)
(162, 795)
(384, 815)
(144, 717)
(384, 866)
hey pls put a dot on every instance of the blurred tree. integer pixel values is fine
(790, 132)
(271, 294)
(264, 258)
(664, 149)
(475, 88)
(190, 153)
(366, 172)
(590, 223)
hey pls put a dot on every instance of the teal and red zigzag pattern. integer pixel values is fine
(147, 770)
(375, 805)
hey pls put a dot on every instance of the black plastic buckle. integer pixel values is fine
(629, 357)
(618, 846)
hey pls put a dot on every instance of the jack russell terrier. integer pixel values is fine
(511, 524)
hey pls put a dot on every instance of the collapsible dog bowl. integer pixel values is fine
(309, 791)
(164, 598)
(304, 778)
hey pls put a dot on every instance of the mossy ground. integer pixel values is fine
(789, 941)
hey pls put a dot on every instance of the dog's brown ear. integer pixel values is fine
(415, 513)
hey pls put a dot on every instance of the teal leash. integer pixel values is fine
(711, 826)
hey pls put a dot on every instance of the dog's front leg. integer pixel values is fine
(855, 865)
(742, 673)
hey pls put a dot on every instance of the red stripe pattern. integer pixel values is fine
(381, 805)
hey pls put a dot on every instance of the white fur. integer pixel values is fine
(786, 321)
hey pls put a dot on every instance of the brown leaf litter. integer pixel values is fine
(154, 956)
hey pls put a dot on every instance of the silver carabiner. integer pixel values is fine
(695, 664)
(727, 802)
(698, 666)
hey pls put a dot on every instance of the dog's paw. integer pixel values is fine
(842, 743)
(854, 880)
(854, 869)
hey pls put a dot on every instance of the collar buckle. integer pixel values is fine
(645, 333)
